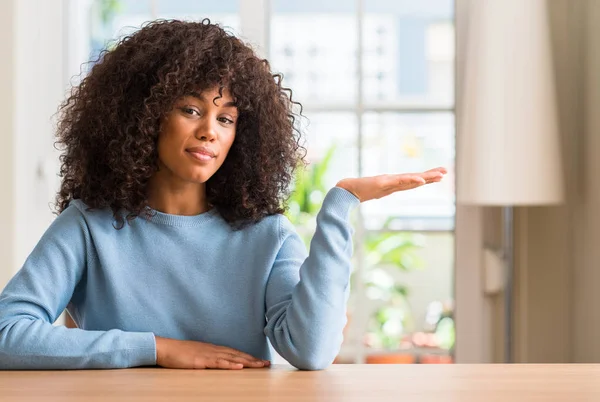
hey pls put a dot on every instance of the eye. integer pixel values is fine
(189, 111)
(225, 120)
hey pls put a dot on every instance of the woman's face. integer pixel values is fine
(196, 135)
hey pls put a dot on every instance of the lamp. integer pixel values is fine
(509, 146)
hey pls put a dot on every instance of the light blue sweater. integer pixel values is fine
(182, 277)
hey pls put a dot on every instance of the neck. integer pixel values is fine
(176, 197)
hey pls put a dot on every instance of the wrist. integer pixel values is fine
(346, 185)
(160, 349)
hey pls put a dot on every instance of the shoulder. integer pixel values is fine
(76, 207)
(284, 229)
(80, 211)
(275, 227)
(86, 211)
(69, 225)
(269, 224)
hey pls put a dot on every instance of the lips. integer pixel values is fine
(201, 151)
(201, 154)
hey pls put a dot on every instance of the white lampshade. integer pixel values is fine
(509, 148)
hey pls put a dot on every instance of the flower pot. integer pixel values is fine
(390, 358)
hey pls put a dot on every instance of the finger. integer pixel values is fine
(392, 180)
(408, 186)
(409, 179)
(243, 360)
(389, 184)
(410, 182)
(402, 182)
(440, 169)
(225, 349)
(432, 177)
(225, 364)
(393, 183)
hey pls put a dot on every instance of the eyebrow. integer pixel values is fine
(201, 97)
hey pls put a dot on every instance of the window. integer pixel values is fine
(376, 79)
(95, 24)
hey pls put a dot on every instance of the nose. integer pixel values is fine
(207, 130)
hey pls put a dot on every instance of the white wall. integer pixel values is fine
(7, 91)
(31, 35)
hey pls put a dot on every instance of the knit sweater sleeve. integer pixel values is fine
(40, 291)
(306, 295)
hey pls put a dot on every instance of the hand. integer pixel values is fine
(369, 188)
(172, 353)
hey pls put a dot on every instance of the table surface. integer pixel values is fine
(351, 383)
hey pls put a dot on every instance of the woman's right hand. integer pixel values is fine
(370, 188)
(173, 353)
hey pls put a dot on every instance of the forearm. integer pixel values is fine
(306, 327)
(307, 335)
(27, 343)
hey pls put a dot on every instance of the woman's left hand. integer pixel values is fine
(369, 188)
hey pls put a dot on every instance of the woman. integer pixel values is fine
(170, 247)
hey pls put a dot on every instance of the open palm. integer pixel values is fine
(369, 188)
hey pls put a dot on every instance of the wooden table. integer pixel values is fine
(377, 383)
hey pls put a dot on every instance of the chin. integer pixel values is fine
(198, 179)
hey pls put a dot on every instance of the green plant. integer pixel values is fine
(388, 253)
(307, 195)
(440, 322)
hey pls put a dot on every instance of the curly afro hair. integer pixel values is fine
(108, 128)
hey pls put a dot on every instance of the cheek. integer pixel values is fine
(230, 140)
(226, 144)
(163, 148)
(168, 150)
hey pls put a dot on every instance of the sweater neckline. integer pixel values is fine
(182, 220)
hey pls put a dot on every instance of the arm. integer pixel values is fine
(40, 291)
(306, 296)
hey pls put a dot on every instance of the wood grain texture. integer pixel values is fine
(350, 383)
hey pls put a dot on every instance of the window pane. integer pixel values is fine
(332, 155)
(108, 20)
(401, 143)
(408, 53)
(409, 294)
(336, 133)
(314, 44)
(222, 11)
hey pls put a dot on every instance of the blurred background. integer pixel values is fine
(474, 269)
